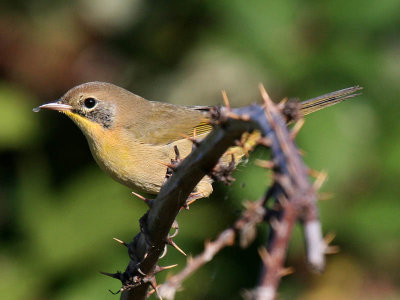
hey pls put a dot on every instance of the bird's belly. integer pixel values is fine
(137, 166)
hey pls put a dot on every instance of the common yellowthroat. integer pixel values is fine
(130, 137)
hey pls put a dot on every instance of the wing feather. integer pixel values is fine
(167, 123)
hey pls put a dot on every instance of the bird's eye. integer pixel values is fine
(90, 102)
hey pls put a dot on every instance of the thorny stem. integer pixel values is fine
(245, 226)
(291, 183)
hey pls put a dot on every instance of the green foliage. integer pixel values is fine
(18, 126)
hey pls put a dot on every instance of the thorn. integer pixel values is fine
(329, 238)
(121, 242)
(193, 138)
(313, 173)
(177, 155)
(265, 256)
(173, 244)
(286, 271)
(175, 226)
(141, 272)
(267, 164)
(266, 98)
(264, 142)
(296, 128)
(115, 293)
(146, 200)
(140, 196)
(319, 180)
(169, 165)
(112, 275)
(153, 284)
(332, 250)
(159, 269)
(233, 116)
(226, 100)
(151, 292)
(164, 252)
(282, 103)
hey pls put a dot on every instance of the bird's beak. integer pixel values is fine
(54, 106)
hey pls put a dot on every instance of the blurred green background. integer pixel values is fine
(59, 212)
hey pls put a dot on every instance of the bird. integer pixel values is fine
(133, 139)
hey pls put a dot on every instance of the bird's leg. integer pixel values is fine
(223, 172)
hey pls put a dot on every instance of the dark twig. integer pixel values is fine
(291, 186)
(295, 198)
(148, 245)
(245, 226)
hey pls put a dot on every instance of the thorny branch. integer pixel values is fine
(293, 195)
(245, 226)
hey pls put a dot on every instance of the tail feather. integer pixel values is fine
(307, 107)
(250, 140)
(315, 104)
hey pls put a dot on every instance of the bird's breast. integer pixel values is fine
(136, 165)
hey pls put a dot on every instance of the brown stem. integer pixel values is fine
(290, 181)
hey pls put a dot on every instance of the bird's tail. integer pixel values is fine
(249, 140)
(315, 104)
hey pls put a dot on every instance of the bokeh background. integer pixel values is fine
(59, 212)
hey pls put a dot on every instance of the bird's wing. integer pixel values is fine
(169, 123)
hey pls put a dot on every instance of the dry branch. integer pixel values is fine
(292, 192)
(148, 245)
(245, 226)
